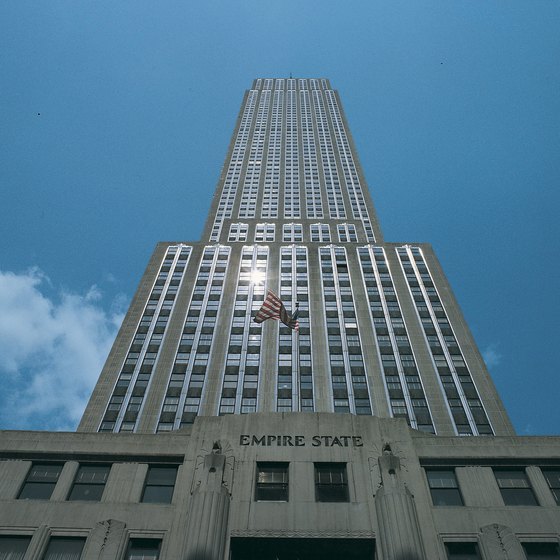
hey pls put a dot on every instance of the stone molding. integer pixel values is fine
(271, 533)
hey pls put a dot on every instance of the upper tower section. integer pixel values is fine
(291, 161)
(380, 332)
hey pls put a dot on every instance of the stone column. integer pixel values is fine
(208, 510)
(38, 544)
(397, 521)
(500, 543)
(106, 541)
(65, 480)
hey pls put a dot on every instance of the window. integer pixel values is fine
(13, 548)
(143, 549)
(264, 232)
(331, 482)
(160, 484)
(462, 551)
(89, 482)
(272, 482)
(541, 550)
(347, 233)
(515, 488)
(444, 488)
(238, 232)
(553, 479)
(40, 482)
(64, 548)
(292, 233)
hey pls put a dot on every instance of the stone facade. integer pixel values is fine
(215, 502)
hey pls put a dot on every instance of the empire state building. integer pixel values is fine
(380, 331)
(373, 431)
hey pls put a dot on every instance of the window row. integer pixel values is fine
(90, 481)
(272, 482)
(292, 233)
(514, 485)
(70, 548)
(14, 547)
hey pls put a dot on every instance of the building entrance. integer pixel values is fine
(302, 549)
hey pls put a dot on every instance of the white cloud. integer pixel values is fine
(491, 356)
(52, 349)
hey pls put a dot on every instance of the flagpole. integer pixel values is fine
(298, 384)
(298, 377)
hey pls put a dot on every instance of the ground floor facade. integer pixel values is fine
(279, 486)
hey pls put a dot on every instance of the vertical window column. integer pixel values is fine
(188, 376)
(330, 170)
(128, 395)
(292, 207)
(313, 202)
(248, 205)
(272, 170)
(404, 388)
(464, 402)
(353, 186)
(294, 392)
(231, 183)
(241, 376)
(348, 375)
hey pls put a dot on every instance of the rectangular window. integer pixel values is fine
(12, 547)
(143, 549)
(272, 482)
(40, 482)
(331, 482)
(64, 548)
(553, 478)
(462, 551)
(515, 488)
(160, 484)
(541, 550)
(90, 482)
(444, 488)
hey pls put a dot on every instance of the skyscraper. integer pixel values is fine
(210, 436)
(381, 333)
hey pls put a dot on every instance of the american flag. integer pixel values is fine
(273, 308)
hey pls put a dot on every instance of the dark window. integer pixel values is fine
(143, 549)
(66, 548)
(444, 488)
(89, 482)
(462, 551)
(553, 479)
(515, 488)
(331, 482)
(541, 551)
(40, 482)
(250, 548)
(160, 484)
(272, 482)
(13, 548)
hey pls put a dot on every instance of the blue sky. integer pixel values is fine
(115, 119)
